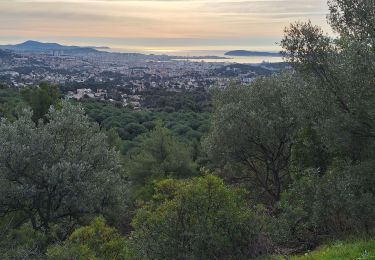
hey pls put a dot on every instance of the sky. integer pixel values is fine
(157, 25)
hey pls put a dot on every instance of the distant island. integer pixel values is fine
(252, 53)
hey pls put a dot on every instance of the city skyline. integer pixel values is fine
(157, 25)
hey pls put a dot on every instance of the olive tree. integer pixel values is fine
(56, 171)
(251, 135)
(339, 97)
(337, 105)
(354, 18)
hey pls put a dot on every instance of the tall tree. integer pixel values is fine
(339, 96)
(336, 104)
(251, 135)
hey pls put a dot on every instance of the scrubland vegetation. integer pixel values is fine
(275, 168)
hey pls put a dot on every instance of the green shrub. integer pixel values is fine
(200, 218)
(337, 203)
(24, 243)
(96, 241)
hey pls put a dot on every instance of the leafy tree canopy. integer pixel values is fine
(251, 135)
(159, 155)
(41, 98)
(57, 171)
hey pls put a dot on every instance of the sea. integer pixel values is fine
(193, 55)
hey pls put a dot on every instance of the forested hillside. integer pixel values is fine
(270, 169)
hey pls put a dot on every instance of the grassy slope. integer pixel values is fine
(361, 250)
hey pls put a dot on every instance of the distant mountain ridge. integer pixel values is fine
(35, 46)
(252, 53)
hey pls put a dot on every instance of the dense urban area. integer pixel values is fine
(125, 78)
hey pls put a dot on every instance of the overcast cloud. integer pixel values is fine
(155, 22)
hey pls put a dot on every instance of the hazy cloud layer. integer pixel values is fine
(150, 22)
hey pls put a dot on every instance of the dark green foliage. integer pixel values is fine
(160, 100)
(339, 203)
(132, 130)
(188, 126)
(10, 103)
(41, 98)
(24, 243)
(159, 155)
(332, 191)
(338, 95)
(108, 116)
(309, 151)
(58, 171)
(354, 19)
(251, 134)
(196, 219)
